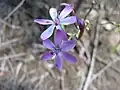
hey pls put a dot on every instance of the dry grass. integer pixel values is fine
(20, 50)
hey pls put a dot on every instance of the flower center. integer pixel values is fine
(57, 21)
(57, 50)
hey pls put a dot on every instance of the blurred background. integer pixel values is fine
(97, 51)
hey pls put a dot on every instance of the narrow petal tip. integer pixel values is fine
(48, 44)
(47, 33)
(53, 13)
(47, 56)
(65, 12)
(69, 20)
(43, 21)
(69, 57)
(58, 62)
(66, 4)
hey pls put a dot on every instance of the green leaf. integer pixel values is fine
(116, 47)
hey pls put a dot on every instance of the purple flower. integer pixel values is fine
(59, 49)
(81, 23)
(57, 21)
(81, 26)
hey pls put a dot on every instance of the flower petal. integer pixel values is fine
(65, 12)
(43, 21)
(81, 26)
(48, 44)
(80, 22)
(67, 56)
(58, 62)
(66, 4)
(59, 36)
(53, 13)
(47, 56)
(68, 45)
(68, 20)
(48, 32)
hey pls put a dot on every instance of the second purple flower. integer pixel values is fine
(59, 50)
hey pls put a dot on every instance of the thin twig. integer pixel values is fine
(10, 66)
(12, 26)
(14, 10)
(19, 66)
(49, 68)
(62, 86)
(80, 42)
(92, 5)
(102, 61)
(12, 56)
(90, 72)
(41, 79)
(9, 42)
(9, 25)
(103, 70)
